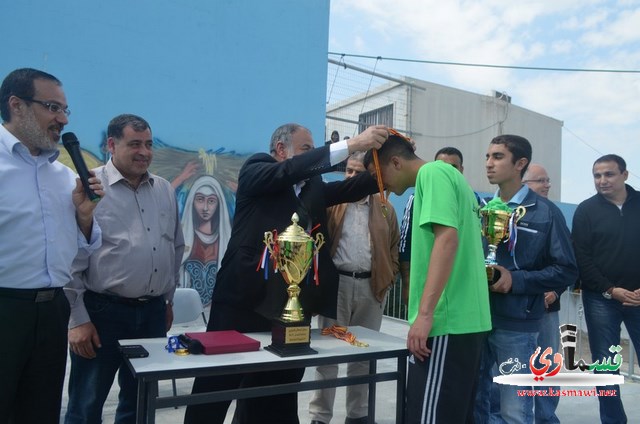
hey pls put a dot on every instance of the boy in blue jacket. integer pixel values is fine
(542, 260)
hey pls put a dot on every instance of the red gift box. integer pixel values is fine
(228, 341)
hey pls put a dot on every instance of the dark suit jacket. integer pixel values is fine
(265, 201)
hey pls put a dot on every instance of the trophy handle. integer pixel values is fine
(318, 243)
(268, 241)
(519, 213)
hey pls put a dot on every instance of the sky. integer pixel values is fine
(600, 111)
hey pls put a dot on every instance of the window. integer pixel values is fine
(381, 116)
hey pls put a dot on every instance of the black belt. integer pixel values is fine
(33, 295)
(131, 301)
(356, 275)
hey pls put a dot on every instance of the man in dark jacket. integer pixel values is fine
(606, 230)
(542, 260)
(270, 189)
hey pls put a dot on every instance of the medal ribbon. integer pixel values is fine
(376, 165)
(340, 332)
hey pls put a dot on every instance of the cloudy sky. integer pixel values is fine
(600, 111)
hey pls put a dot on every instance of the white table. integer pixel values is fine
(161, 365)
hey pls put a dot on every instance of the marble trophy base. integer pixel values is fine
(290, 338)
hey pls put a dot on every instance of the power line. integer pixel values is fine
(592, 147)
(484, 65)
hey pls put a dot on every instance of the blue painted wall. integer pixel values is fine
(211, 74)
(213, 78)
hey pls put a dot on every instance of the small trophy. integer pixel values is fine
(498, 223)
(292, 251)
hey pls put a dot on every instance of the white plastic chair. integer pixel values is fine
(187, 307)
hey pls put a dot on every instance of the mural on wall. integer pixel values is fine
(205, 183)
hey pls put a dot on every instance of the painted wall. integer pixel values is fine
(213, 78)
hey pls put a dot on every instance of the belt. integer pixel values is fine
(33, 295)
(131, 301)
(356, 275)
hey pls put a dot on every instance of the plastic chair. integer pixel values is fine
(187, 307)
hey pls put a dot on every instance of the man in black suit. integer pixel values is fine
(270, 189)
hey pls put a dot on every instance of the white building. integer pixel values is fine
(437, 116)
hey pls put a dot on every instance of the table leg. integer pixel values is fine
(152, 395)
(400, 388)
(373, 366)
(141, 406)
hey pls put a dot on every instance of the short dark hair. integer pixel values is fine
(394, 146)
(449, 151)
(19, 83)
(622, 165)
(518, 146)
(120, 122)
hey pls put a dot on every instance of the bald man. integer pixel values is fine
(538, 180)
(545, 406)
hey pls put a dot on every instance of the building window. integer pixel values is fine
(380, 116)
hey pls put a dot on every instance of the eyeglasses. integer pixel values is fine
(539, 181)
(53, 107)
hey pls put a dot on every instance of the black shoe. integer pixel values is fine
(361, 420)
(316, 422)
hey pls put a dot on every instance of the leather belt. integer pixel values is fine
(356, 275)
(33, 295)
(131, 301)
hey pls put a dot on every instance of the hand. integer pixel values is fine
(189, 171)
(418, 335)
(626, 297)
(503, 285)
(82, 340)
(169, 316)
(371, 138)
(549, 298)
(84, 206)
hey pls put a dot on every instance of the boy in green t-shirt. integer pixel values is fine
(448, 300)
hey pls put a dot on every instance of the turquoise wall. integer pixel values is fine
(212, 74)
(214, 78)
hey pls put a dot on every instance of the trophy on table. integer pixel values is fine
(498, 223)
(293, 252)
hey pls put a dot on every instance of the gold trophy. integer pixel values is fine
(498, 221)
(292, 252)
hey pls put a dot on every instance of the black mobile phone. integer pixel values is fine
(134, 351)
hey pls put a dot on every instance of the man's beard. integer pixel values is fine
(34, 136)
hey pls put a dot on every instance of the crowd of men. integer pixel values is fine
(79, 275)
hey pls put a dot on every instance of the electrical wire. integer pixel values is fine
(485, 65)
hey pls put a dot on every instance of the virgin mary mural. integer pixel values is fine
(207, 228)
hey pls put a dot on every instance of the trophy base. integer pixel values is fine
(290, 338)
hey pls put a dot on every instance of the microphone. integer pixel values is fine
(71, 143)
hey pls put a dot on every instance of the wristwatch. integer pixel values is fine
(607, 294)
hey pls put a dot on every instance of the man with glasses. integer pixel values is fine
(549, 336)
(538, 180)
(45, 220)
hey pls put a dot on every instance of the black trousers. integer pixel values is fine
(280, 409)
(33, 355)
(442, 388)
